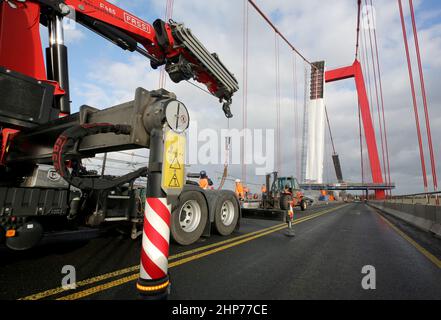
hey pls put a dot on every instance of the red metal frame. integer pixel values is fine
(6, 136)
(355, 71)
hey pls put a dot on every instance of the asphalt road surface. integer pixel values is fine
(323, 261)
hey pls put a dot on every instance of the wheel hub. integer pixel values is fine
(190, 216)
(227, 213)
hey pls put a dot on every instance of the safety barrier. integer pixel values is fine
(429, 198)
(423, 216)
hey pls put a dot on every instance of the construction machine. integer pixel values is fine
(282, 192)
(43, 182)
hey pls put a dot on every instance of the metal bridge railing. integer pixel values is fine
(426, 198)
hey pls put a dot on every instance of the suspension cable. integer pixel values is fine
(245, 87)
(276, 30)
(412, 86)
(389, 181)
(365, 66)
(357, 43)
(368, 74)
(364, 62)
(305, 123)
(423, 93)
(277, 70)
(296, 115)
(376, 91)
(361, 144)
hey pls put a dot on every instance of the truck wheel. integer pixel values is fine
(303, 205)
(189, 218)
(226, 214)
(285, 199)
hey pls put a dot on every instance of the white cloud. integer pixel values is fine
(73, 36)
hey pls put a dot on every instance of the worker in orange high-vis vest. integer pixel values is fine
(246, 192)
(203, 180)
(239, 189)
(263, 188)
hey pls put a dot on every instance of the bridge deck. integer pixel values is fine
(324, 260)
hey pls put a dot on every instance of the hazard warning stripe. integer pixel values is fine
(159, 225)
(151, 270)
(156, 238)
(159, 208)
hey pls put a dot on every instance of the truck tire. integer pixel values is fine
(226, 214)
(303, 205)
(189, 218)
(285, 199)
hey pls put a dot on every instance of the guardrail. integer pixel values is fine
(428, 198)
(347, 186)
(419, 210)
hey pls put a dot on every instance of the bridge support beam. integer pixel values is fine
(355, 71)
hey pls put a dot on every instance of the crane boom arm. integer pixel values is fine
(168, 43)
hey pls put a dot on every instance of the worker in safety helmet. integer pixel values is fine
(204, 181)
(239, 190)
(263, 188)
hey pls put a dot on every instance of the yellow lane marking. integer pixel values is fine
(133, 277)
(199, 249)
(217, 244)
(100, 288)
(51, 292)
(422, 250)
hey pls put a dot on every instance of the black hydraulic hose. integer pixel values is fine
(67, 140)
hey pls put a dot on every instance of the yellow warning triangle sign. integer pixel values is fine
(175, 163)
(174, 182)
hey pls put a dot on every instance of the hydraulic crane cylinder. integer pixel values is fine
(57, 64)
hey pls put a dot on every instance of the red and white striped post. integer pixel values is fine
(153, 278)
(154, 281)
